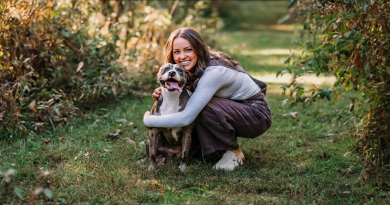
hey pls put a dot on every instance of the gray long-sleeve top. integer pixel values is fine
(216, 81)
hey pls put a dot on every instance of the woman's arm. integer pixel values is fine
(209, 83)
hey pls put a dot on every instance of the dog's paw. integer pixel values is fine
(183, 167)
(151, 166)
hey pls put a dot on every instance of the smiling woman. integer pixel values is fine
(183, 54)
(227, 102)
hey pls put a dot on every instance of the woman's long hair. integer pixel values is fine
(201, 50)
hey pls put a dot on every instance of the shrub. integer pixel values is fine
(349, 39)
(57, 57)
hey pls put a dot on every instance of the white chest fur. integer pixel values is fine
(170, 102)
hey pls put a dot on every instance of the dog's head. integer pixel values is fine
(172, 77)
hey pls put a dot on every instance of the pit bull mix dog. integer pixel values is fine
(170, 142)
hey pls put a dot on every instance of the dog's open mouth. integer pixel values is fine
(172, 84)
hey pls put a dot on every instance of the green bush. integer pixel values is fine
(349, 39)
(60, 57)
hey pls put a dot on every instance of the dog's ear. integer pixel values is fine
(160, 71)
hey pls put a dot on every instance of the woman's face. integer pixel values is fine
(183, 53)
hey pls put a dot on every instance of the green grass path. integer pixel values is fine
(305, 159)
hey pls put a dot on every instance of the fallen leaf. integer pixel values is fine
(113, 89)
(32, 105)
(81, 64)
(315, 86)
(124, 121)
(107, 150)
(347, 154)
(62, 139)
(141, 143)
(86, 154)
(81, 96)
(45, 143)
(130, 124)
(38, 190)
(284, 102)
(294, 114)
(129, 140)
(116, 134)
(50, 102)
(46, 173)
(135, 129)
(38, 126)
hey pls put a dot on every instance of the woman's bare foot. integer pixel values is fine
(238, 153)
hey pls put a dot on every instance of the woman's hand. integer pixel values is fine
(156, 94)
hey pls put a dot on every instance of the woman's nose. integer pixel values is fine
(182, 55)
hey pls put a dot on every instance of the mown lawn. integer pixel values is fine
(306, 159)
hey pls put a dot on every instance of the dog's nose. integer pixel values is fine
(171, 73)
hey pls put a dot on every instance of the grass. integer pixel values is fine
(305, 159)
(302, 160)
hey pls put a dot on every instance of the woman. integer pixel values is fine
(226, 103)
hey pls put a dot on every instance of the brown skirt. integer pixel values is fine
(222, 120)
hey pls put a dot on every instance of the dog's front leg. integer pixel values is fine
(186, 145)
(153, 146)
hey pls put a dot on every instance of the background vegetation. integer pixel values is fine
(350, 40)
(59, 56)
(71, 113)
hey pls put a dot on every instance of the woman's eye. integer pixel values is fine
(189, 49)
(175, 52)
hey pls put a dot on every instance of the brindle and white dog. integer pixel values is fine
(170, 142)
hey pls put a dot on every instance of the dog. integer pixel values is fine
(170, 142)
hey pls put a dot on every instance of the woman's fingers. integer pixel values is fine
(156, 94)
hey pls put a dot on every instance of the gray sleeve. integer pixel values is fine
(208, 84)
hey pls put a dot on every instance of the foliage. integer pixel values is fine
(250, 15)
(349, 39)
(57, 57)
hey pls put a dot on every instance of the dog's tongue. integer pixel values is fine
(175, 86)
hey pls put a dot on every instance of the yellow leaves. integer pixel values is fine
(335, 98)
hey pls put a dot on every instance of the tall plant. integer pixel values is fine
(351, 40)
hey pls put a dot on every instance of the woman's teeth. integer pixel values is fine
(185, 62)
